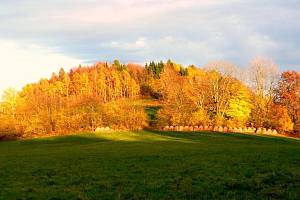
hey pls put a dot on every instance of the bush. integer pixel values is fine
(279, 119)
(123, 114)
(176, 116)
(172, 116)
(8, 128)
(199, 117)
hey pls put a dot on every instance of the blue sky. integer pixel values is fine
(38, 37)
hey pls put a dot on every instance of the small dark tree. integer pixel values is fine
(155, 68)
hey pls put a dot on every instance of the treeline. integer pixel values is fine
(84, 98)
(104, 94)
(221, 94)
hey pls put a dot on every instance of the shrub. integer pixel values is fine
(123, 114)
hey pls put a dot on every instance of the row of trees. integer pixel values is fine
(110, 95)
(222, 94)
(82, 99)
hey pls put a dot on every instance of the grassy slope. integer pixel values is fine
(150, 165)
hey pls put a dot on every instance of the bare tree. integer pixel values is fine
(263, 76)
(226, 68)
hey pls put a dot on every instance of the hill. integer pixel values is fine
(117, 95)
(102, 95)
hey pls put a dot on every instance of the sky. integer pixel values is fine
(39, 37)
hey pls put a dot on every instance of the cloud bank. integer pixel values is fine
(45, 35)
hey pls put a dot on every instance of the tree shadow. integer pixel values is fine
(151, 136)
(65, 140)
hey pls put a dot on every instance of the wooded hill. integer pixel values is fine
(117, 96)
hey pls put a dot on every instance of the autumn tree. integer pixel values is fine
(239, 108)
(9, 102)
(288, 95)
(264, 76)
(221, 80)
(279, 119)
(8, 113)
(64, 78)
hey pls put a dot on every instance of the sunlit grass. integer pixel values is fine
(137, 136)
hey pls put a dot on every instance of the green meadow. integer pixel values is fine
(151, 165)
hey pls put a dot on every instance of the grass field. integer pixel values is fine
(151, 165)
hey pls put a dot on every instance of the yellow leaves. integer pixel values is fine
(8, 125)
(219, 120)
(239, 105)
(9, 102)
(179, 116)
(199, 117)
(124, 114)
(285, 123)
(194, 72)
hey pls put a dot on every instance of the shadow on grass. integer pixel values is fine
(103, 137)
(230, 137)
(151, 136)
(64, 140)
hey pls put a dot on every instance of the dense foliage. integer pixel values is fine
(110, 95)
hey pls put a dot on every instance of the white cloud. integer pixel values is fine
(187, 31)
(124, 11)
(180, 49)
(25, 63)
(259, 44)
(139, 44)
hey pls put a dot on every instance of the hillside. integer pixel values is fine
(124, 96)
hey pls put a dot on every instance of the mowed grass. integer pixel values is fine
(151, 165)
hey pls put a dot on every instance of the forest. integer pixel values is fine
(118, 96)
